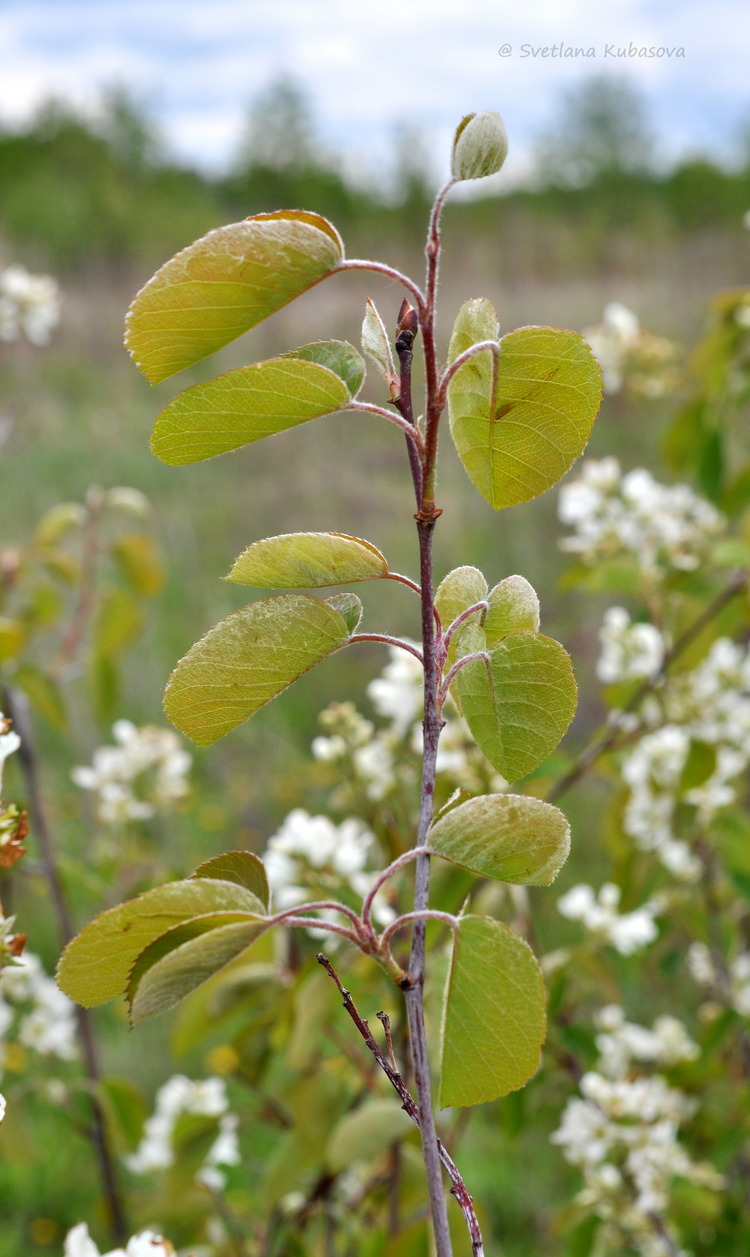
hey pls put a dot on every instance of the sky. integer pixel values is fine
(370, 67)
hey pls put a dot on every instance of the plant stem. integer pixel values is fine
(412, 1110)
(28, 758)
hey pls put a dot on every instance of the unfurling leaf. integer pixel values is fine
(513, 608)
(508, 837)
(249, 404)
(247, 659)
(224, 284)
(480, 146)
(349, 608)
(338, 356)
(520, 422)
(376, 345)
(96, 964)
(518, 700)
(459, 590)
(308, 560)
(494, 1020)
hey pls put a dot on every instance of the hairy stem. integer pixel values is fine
(18, 711)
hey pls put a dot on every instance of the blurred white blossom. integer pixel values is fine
(631, 356)
(180, 1095)
(9, 742)
(632, 516)
(732, 983)
(78, 1243)
(3, 1106)
(628, 650)
(627, 932)
(29, 305)
(34, 1011)
(622, 1132)
(144, 773)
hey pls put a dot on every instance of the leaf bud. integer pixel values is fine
(480, 146)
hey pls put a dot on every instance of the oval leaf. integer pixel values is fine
(224, 284)
(308, 560)
(508, 837)
(176, 964)
(244, 406)
(246, 660)
(518, 701)
(458, 591)
(513, 608)
(96, 964)
(349, 608)
(494, 1019)
(520, 423)
(244, 868)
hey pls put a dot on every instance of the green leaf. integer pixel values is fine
(247, 659)
(224, 284)
(59, 521)
(118, 622)
(136, 556)
(508, 837)
(338, 356)
(12, 638)
(514, 608)
(43, 693)
(308, 560)
(493, 1020)
(518, 701)
(519, 428)
(349, 608)
(96, 964)
(366, 1134)
(458, 591)
(244, 868)
(178, 962)
(245, 406)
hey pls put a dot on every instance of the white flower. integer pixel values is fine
(397, 694)
(78, 1243)
(29, 305)
(2, 1107)
(178, 1095)
(9, 742)
(628, 650)
(48, 1026)
(152, 758)
(627, 932)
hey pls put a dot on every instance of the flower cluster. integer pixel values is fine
(144, 773)
(310, 856)
(34, 1007)
(630, 357)
(628, 651)
(731, 981)
(627, 932)
(709, 706)
(29, 305)
(178, 1096)
(633, 517)
(622, 1132)
(78, 1243)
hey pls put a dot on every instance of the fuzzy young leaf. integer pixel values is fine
(338, 356)
(520, 423)
(480, 146)
(513, 608)
(349, 608)
(518, 701)
(376, 345)
(242, 867)
(224, 284)
(175, 964)
(247, 659)
(508, 837)
(494, 1020)
(245, 406)
(308, 560)
(458, 591)
(96, 964)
